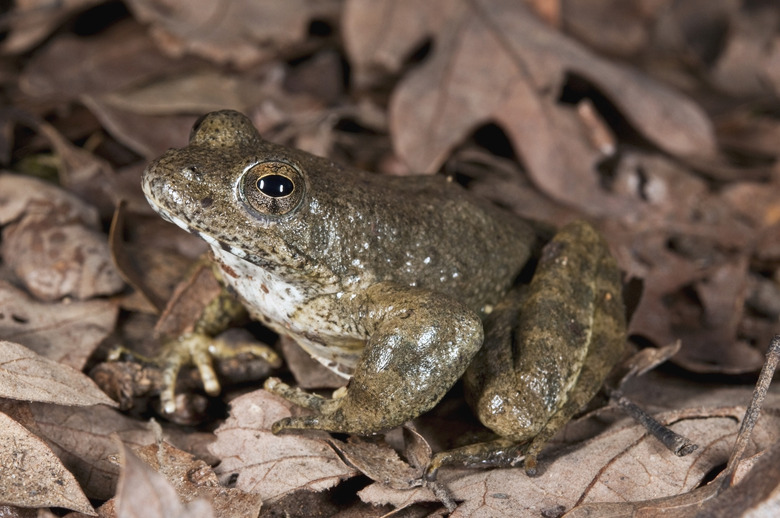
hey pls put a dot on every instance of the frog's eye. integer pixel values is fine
(275, 185)
(272, 188)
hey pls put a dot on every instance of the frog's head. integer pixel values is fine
(238, 192)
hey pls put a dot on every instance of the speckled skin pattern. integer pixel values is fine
(390, 279)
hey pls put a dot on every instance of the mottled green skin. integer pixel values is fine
(388, 279)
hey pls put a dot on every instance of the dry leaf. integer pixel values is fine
(82, 172)
(745, 65)
(151, 255)
(614, 27)
(52, 243)
(495, 62)
(7, 511)
(121, 57)
(756, 494)
(66, 332)
(748, 132)
(239, 32)
(378, 461)
(194, 479)
(33, 20)
(379, 494)
(135, 116)
(21, 194)
(199, 91)
(622, 464)
(59, 260)
(758, 202)
(33, 475)
(145, 493)
(149, 136)
(189, 300)
(716, 346)
(273, 465)
(26, 376)
(710, 325)
(84, 438)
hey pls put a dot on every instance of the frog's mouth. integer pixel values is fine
(159, 202)
(184, 225)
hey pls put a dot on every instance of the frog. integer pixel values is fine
(401, 284)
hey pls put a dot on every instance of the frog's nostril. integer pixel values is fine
(206, 202)
(191, 173)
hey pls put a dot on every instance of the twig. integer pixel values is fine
(754, 409)
(675, 442)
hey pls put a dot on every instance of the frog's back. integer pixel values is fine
(429, 232)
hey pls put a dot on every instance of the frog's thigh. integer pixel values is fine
(420, 342)
(539, 365)
(569, 333)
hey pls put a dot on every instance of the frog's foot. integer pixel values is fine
(504, 452)
(348, 412)
(490, 454)
(199, 350)
(323, 407)
(297, 396)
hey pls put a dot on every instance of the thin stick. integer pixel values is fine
(754, 409)
(675, 442)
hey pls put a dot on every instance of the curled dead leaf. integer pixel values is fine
(85, 439)
(71, 66)
(52, 243)
(241, 32)
(34, 20)
(620, 465)
(379, 462)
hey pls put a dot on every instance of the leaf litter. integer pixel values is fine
(33, 476)
(143, 491)
(28, 377)
(669, 148)
(273, 465)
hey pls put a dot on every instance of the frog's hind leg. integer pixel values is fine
(608, 343)
(490, 371)
(499, 452)
(528, 381)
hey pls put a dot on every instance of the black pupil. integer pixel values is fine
(275, 185)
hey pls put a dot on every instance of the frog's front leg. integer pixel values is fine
(192, 341)
(419, 343)
(531, 377)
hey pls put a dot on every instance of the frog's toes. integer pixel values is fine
(500, 452)
(297, 396)
(530, 465)
(280, 425)
(187, 349)
(202, 359)
(223, 349)
(296, 423)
